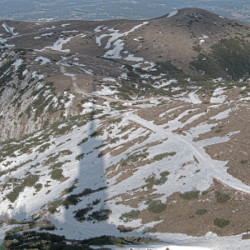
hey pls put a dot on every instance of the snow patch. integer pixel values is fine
(202, 39)
(115, 41)
(105, 91)
(65, 24)
(164, 84)
(131, 57)
(173, 13)
(57, 46)
(9, 29)
(42, 60)
(17, 63)
(222, 115)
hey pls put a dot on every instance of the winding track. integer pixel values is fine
(214, 167)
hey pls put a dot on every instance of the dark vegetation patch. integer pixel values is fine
(229, 58)
(38, 240)
(6, 72)
(133, 158)
(156, 206)
(201, 211)
(222, 197)
(190, 195)
(152, 180)
(162, 156)
(73, 199)
(28, 181)
(56, 174)
(132, 215)
(111, 240)
(220, 222)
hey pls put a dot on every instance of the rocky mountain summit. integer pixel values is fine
(131, 129)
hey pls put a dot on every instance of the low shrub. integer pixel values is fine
(80, 157)
(201, 211)
(117, 120)
(114, 140)
(38, 187)
(161, 156)
(43, 147)
(100, 215)
(244, 161)
(28, 181)
(156, 206)
(97, 133)
(111, 240)
(222, 197)
(73, 199)
(220, 222)
(151, 181)
(52, 206)
(81, 214)
(190, 195)
(132, 215)
(56, 174)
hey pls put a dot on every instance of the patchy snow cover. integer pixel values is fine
(217, 96)
(245, 98)
(163, 83)
(36, 75)
(91, 169)
(210, 241)
(43, 60)
(57, 46)
(150, 67)
(3, 40)
(69, 31)
(25, 72)
(65, 24)
(43, 35)
(169, 111)
(92, 178)
(9, 29)
(202, 39)
(100, 28)
(124, 76)
(3, 43)
(192, 98)
(131, 57)
(162, 246)
(222, 115)
(219, 79)
(115, 52)
(47, 34)
(109, 79)
(17, 63)
(105, 91)
(4, 228)
(115, 41)
(69, 103)
(99, 39)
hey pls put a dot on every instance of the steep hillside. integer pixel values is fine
(132, 129)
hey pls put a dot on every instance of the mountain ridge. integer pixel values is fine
(127, 128)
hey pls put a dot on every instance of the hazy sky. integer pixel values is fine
(113, 9)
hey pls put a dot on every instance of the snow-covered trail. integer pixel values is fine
(216, 168)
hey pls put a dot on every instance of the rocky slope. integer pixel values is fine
(127, 127)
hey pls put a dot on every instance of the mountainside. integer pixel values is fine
(126, 128)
